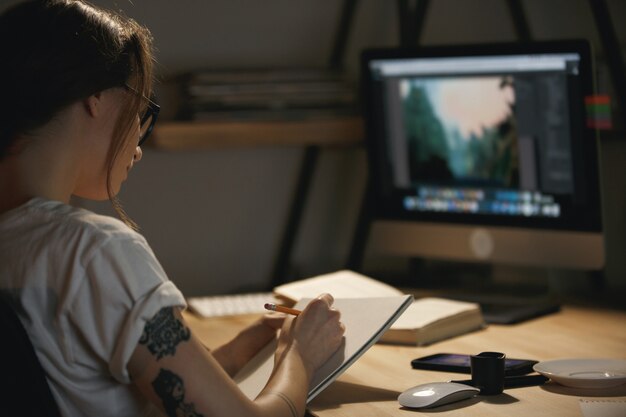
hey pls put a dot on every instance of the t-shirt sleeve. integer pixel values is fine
(124, 287)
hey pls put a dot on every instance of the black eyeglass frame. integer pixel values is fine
(151, 113)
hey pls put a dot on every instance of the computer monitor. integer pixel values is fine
(483, 153)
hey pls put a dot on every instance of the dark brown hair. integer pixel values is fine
(56, 52)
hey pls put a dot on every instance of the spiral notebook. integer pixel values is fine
(365, 320)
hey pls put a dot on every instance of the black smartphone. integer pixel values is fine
(454, 362)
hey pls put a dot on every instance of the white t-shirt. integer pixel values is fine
(84, 286)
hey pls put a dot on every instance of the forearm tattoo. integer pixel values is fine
(171, 390)
(163, 333)
(292, 407)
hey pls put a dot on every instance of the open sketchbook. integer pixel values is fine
(427, 320)
(365, 321)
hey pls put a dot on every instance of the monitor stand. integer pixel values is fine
(504, 310)
(507, 295)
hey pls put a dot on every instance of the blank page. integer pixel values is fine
(341, 284)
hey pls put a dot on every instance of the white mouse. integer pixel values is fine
(435, 394)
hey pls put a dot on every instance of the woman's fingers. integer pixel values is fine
(273, 320)
(327, 298)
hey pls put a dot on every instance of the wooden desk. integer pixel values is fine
(371, 386)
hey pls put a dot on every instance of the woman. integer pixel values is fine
(103, 317)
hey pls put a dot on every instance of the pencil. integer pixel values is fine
(282, 309)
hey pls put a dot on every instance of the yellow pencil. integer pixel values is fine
(282, 309)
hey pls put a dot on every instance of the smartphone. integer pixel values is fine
(454, 362)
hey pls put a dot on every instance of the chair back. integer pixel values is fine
(24, 390)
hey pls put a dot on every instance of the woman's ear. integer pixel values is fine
(93, 104)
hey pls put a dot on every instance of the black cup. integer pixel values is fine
(488, 372)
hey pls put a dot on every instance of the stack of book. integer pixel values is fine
(265, 94)
(426, 321)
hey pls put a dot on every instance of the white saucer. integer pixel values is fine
(584, 373)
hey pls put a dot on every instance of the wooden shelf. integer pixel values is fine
(178, 136)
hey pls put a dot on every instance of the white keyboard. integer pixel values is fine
(231, 305)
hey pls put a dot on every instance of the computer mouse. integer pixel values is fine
(435, 394)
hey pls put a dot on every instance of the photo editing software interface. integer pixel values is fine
(499, 136)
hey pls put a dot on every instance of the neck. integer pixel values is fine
(23, 177)
(45, 166)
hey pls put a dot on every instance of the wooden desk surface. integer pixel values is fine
(371, 386)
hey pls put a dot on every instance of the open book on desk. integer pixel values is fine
(365, 320)
(426, 320)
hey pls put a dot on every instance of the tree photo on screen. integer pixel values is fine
(461, 131)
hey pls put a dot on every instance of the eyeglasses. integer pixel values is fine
(148, 118)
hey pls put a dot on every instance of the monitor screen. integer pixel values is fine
(487, 147)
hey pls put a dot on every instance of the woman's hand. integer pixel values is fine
(236, 353)
(315, 334)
